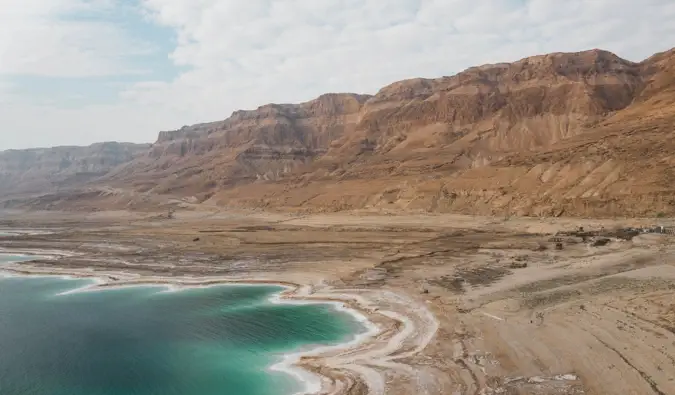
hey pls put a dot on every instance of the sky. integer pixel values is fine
(75, 72)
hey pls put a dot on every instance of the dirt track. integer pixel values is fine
(516, 315)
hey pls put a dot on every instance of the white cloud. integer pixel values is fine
(51, 38)
(242, 54)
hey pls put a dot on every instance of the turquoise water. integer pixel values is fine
(4, 258)
(142, 341)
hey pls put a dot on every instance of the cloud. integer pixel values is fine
(64, 38)
(242, 54)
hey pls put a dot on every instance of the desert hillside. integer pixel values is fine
(43, 170)
(584, 133)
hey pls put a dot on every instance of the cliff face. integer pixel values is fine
(583, 133)
(558, 134)
(42, 170)
(263, 145)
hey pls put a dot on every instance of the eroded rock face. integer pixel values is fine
(266, 144)
(42, 169)
(583, 133)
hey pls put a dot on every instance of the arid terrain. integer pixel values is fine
(465, 305)
(455, 213)
(562, 134)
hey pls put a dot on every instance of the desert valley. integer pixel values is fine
(505, 230)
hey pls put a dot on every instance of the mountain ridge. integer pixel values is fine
(36, 170)
(552, 134)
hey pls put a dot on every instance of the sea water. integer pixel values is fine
(146, 341)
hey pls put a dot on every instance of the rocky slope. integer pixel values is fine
(262, 145)
(41, 170)
(583, 133)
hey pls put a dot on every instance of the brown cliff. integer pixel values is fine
(583, 133)
(262, 145)
(483, 141)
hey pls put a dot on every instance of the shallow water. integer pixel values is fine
(7, 258)
(143, 341)
(4, 232)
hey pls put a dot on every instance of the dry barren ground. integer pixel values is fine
(520, 310)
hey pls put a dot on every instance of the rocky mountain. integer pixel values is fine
(41, 170)
(263, 145)
(584, 133)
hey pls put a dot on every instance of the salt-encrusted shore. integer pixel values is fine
(395, 326)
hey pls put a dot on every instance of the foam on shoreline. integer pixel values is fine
(290, 363)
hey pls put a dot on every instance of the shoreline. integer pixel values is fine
(351, 367)
(560, 301)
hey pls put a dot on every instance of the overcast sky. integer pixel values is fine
(81, 71)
